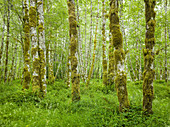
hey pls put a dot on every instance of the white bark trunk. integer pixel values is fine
(42, 41)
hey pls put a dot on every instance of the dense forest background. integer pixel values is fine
(58, 63)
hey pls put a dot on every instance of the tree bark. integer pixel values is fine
(119, 57)
(73, 51)
(7, 42)
(41, 47)
(34, 49)
(149, 55)
(166, 79)
(2, 42)
(27, 74)
(104, 62)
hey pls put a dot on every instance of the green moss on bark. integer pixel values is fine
(122, 94)
(73, 49)
(149, 56)
(119, 57)
(32, 16)
(27, 75)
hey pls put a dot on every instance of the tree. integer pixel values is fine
(2, 42)
(7, 41)
(104, 45)
(166, 79)
(41, 46)
(27, 74)
(119, 56)
(73, 50)
(34, 50)
(149, 55)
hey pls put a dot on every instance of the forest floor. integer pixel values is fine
(96, 108)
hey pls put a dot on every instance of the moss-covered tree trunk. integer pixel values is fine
(73, 50)
(111, 71)
(94, 50)
(166, 69)
(85, 54)
(41, 46)
(34, 50)
(7, 42)
(27, 75)
(149, 55)
(2, 43)
(119, 56)
(104, 62)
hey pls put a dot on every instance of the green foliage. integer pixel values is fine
(96, 107)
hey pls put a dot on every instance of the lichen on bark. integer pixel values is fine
(73, 50)
(104, 62)
(119, 56)
(149, 56)
(27, 74)
(41, 47)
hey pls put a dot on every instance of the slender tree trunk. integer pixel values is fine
(119, 57)
(166, 79)
(85, 55)
(104, 45)
(34, 50)
(7, 42)
(149, 56)
(41, 45)
(16, 59)
(94, 51)
(10, 74)
(68, 70)
(81, 66)
(137, 51)
(90, 43)
(2, 42)
(73, 51)
(51, 57)
(19, 76)
(27, 74)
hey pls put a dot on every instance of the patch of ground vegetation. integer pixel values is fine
(97, 107)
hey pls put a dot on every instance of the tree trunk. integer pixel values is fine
(166, 79)
(2, 43)
(7, 42)
(16, 59)
(27, 74)
(85, 55)
(34, 50)
(73, 51)
(119, 57)
(90, 43)
(149, 55)
(41, 46)
(104, 45)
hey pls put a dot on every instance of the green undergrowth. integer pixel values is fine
(98, 107)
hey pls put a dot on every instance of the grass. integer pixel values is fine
(96, 108)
